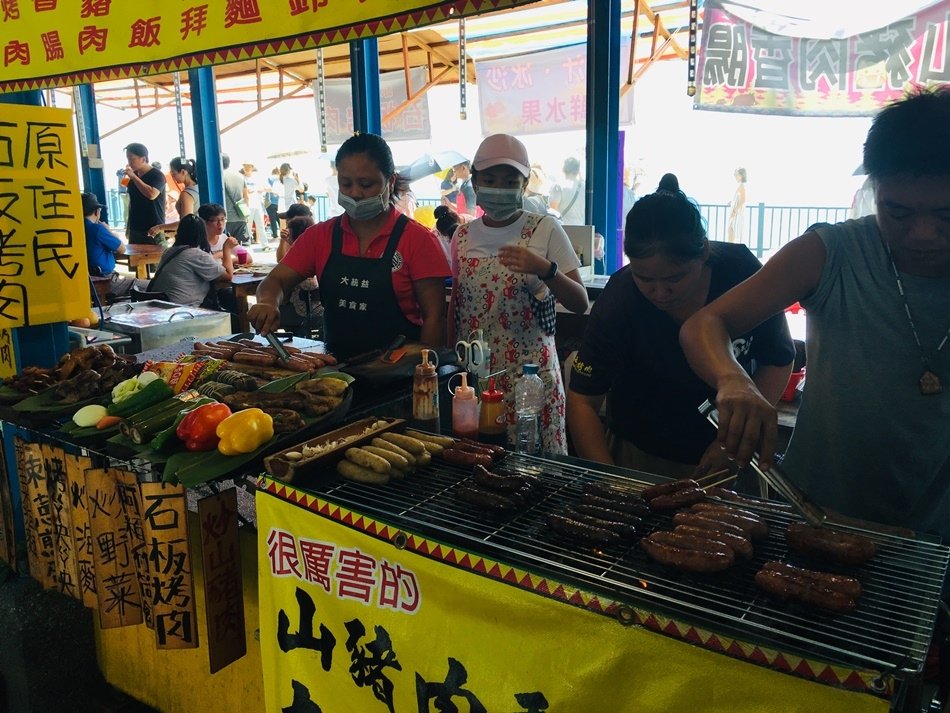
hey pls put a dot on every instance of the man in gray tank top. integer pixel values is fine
(872, 439)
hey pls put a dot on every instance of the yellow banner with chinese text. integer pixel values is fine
(351, 622)
(64, 42)
(44, 276)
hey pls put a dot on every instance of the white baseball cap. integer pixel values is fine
(502, 149)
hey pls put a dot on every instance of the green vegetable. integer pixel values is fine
(125, 389)
(173, 403)
(167, 438)
(147, 396)
(89, 415)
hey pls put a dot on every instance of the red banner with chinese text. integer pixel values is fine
(64, 42)
(353, 618)
(745, 69)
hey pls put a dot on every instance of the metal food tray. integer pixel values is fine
(890, 631)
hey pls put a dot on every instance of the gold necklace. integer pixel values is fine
(929, 382)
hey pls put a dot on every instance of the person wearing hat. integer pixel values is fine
(508, 267)
(255, 202)
(294, 210)
(381, 274)
(102, 246)
(146, 197)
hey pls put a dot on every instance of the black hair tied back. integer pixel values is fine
(666, 223)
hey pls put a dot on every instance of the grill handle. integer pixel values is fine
(812, 513)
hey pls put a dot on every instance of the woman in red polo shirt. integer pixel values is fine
(381, 274)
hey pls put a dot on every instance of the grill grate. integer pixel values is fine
(890, 631)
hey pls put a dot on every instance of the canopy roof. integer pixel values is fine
(662, 34)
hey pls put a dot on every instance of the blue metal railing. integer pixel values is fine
(768, 227)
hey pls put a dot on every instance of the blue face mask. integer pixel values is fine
(363, 209)
(499, 203)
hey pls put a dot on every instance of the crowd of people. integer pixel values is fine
(688, 319)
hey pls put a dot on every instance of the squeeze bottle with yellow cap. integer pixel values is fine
(464, 411)
(425, 395)
(491, 419)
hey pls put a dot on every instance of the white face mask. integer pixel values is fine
(499, 203)
(363, 209)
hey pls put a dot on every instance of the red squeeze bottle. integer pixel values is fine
(492, 426)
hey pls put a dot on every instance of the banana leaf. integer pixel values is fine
(87, 435)
(192, 469)
(47, 402)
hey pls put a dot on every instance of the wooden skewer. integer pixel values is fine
(713, 476)
(729, 478)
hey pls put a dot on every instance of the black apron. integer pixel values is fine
(361, 311)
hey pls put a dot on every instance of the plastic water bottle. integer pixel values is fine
(529, 400)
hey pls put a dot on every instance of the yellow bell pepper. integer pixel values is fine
(244, 432)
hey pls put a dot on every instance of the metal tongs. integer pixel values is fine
(282, 354)
(812, 513)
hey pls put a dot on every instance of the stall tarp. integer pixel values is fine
(49, 43)
(44, 276)
(746, 69)
(357, 616)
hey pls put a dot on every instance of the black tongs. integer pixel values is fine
(282, 354)
(774, 476)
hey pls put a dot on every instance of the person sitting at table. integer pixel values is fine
(302, 312)
(295, 210)
(631, 354)
(381, 274)
(183, 171)
(188, 271)
(215, 220)
(102, 247)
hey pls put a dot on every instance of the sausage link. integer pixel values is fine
(668, 488)
(834, 582)
(737, 543)
(624, 529)
(496, 481)
(486, 499)
(748, 521)
(607, 514)
(611, 492)
(804, 591)
(254, 357)
(835, 546)
(629, 506)
(677, 499)
(591, 533)
(698, 519)
(681, 552)
(466, 458)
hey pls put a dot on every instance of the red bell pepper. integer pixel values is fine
(197, 428)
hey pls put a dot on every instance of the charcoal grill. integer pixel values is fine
(889, 633)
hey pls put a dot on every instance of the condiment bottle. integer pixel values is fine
(464, 411)
(491, 419)
(425, 395)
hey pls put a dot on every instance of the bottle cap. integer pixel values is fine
(463, 391)
(492, 395)
(426, 368)
(527, 369)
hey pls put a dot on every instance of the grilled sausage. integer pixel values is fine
(677, 499)
(693, 554)
(368, 460)
(472, 447)
(835, 546)
(754, 525)
(737, 543)
(497, 451)
(466, 458)
(357, 473)
(295, 364)
(611, 492)
(624, 529)
(835, 582)
(698, 519)
(607, 514)
(380, 443)
(443, 441)
(668, 488)
(786, 586)
(591, 533)
(629, 506)
(486, 499)
(413, 445)
(248, 356)
(497, 481)
(395, 460)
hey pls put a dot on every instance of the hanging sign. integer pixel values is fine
(7, 353)
(61, 43)
(412, 122)
(37, 518)
(44, 277)
(356, 615)
(76, 467)
(745, 69)
(540, 92)
(64, 551)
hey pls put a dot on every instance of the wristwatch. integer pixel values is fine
(550, 274)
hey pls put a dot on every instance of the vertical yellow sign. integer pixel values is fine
(44, 277)
(7, 354)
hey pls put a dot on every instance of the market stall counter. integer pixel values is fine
(379, 567)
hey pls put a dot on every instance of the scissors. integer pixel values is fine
(473, 354)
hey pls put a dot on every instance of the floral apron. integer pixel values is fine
(490, 297)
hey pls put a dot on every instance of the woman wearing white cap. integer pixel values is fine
(508, 267)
